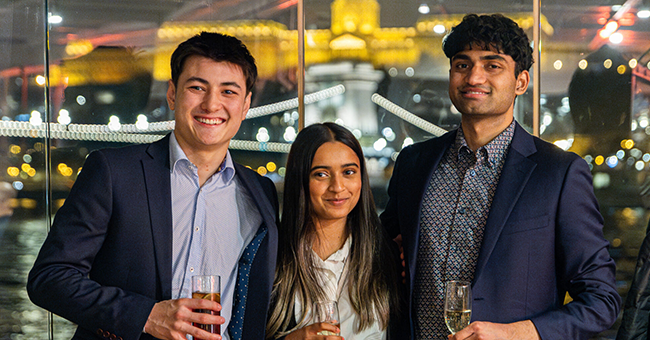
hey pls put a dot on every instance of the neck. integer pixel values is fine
(479, 131)
(208, 162)
(330, 237)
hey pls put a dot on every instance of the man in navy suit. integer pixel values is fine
(141, 220)
(492, 205)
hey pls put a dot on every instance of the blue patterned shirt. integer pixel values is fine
(212, 224)
(454, 211)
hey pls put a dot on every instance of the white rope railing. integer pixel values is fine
(407, 116)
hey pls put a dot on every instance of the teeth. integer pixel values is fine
(210, 121)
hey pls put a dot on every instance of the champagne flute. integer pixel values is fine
(207, 287)
(327, 311)
(458, 305)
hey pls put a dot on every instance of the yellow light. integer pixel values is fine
(621, 69)
(261, 170)
(13, 171)
(583, 64)
(67, 172)
(61, 166)
(611, 26)
(629, 144)
(616, 242)
(15, 149)
(607, 63)
(599, 160)
(31, 172)
(271, 166)
(28, 203)
(25, 167)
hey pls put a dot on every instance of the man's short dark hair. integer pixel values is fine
(218, 47)
(488, 32)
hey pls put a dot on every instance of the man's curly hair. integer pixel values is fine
(488, 32)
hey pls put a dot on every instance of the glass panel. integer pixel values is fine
(23, 204)
(109, 66)
(594, 101)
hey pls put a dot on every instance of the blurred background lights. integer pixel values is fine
(564, 144)
(13, 171)
(583, 64)
(633, 63)
(262, 135)
(289, 134)
(18, 185)
(616, 38)
(646, 157)
(392, 72)
(417, 98)
(270, 166)
(557, 64)
(410, 72)
(64, 117)
(620, 154)
(357, 133)
(424, 9)
(54, 19)
(282, 171)
(639, 165)
(114, 123)
(440, 29)
(40, 80)
(643, 14)
(141, 122)
(599, 160)
(612, 161)
(380, 144)
(262, 170)
(35, 118)
(607, 63)
(388, 134)
(621, 69)
(340, 122)
(27, 158)
(81, 100)
(407, 141)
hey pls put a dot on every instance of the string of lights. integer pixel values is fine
(407, 116)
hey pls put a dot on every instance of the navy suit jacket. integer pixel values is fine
(108, 257)
(543, 238)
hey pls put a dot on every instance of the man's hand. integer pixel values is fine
(312, 331)
(480, 330)
(172, 319)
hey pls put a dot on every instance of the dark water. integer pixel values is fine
(20, 241)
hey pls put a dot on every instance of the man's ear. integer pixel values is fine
(523, 79)
(171, 95)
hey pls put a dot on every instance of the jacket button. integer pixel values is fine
(106, 334)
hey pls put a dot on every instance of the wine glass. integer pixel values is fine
(326, 311)
(458, 305)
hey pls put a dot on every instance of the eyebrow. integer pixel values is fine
(329, 167)
(203, 81)
(486, 57)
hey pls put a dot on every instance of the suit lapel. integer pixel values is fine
(157, 182)
(516, 171)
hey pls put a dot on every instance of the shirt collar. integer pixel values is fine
(491, 152)
(176, 154)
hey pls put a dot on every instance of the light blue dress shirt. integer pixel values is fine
(212, 226)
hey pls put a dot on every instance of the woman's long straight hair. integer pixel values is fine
(372, 282)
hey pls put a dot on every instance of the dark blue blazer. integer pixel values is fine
(108, 257)
(543, 238)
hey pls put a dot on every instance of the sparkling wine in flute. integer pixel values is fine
(458, 305)
(456, 320)
(214, 329)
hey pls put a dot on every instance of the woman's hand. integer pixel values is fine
(313, 332)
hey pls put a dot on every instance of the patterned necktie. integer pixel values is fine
(235, 327)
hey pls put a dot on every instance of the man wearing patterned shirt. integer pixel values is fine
(490, 204)
(141, 220)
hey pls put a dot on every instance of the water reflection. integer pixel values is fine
(19, 318)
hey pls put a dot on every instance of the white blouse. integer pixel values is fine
(335, 286)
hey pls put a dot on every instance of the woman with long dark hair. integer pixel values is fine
(331, 243)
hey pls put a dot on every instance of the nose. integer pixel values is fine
(336, 184)
(211, 102)
(476, 75)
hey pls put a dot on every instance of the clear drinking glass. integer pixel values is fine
(327, 311)
(207, 287)
(458, 305)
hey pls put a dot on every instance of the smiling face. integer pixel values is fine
(334, 183)
(483, 84)
(209, 102)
